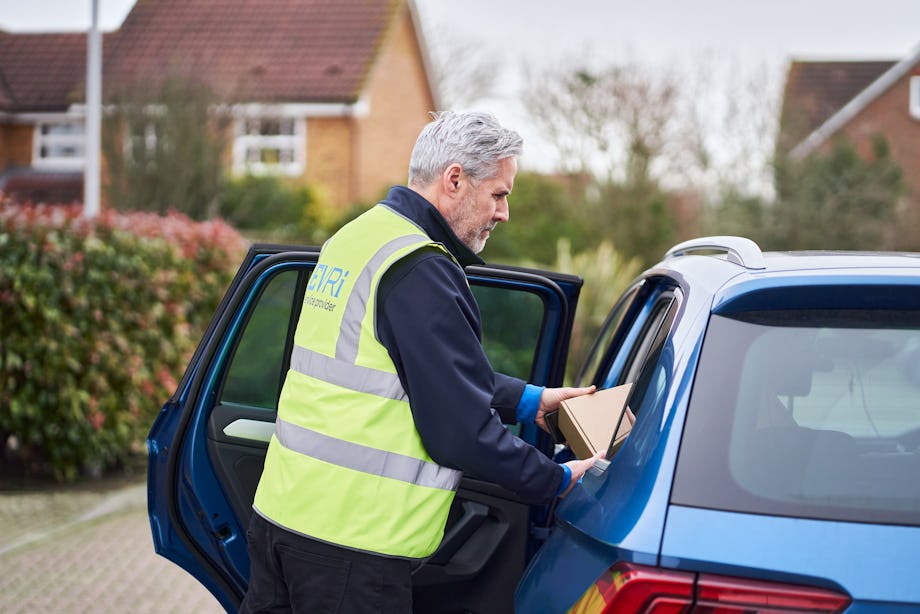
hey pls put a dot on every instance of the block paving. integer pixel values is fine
(74, 551)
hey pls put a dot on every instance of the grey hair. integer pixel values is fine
(474, 140)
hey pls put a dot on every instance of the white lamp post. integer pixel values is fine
(91, 173)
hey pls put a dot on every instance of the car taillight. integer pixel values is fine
(628, 588)
(723, 594)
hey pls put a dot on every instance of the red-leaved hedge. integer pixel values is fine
(98, 318)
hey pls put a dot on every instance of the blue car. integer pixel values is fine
(772, 467)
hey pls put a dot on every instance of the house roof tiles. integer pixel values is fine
(41, 72)
(816, 90)
(247, 50)
(253, 50)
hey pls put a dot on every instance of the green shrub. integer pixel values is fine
(253, 202)
(97, 320)
(276, 210)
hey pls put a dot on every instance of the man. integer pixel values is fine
(389, 396)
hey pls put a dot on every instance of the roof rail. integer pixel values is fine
(738, 250)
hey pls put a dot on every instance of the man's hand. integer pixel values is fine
(579, 468)
(552, 397)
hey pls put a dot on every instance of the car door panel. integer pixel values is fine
(238, 438)
(192, 518)
(480, 575)
(225, 425)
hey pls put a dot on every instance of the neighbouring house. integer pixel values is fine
(827, 101)
(330, 91)
(41, 115)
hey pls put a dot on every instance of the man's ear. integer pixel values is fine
(450, 179)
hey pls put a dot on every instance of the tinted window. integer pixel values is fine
(648, 346)
(511, 323)
(604, 343)
(254, 377)
(809, 413)
(650, 367)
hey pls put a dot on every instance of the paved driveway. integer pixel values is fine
(88, 552)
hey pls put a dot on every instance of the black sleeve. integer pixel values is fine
(428, 320)
(506, 396)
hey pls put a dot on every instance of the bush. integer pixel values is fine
(838, 200)
(271, 203)
(99, 317)
(541, 211)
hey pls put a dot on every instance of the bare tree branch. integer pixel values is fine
(465, 70)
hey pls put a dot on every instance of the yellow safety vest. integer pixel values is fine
(345, 464)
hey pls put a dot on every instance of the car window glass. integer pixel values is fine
(254, 376)
(818, 413)
(511, 323)
(650, 337)
(650, 365)
(640, 342)
(600, 352)
(647, 370)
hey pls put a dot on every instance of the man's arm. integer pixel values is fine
(508, 397)
(429, 322)
(517, 401)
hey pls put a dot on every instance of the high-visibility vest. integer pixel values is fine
(346, 464)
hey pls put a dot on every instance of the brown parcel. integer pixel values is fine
(588, 421)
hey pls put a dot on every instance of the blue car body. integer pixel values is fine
(632, 511)
(698, 492)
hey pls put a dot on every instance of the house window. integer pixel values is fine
(140, 143)
(915, 97)
(59, 143)
(270, 145)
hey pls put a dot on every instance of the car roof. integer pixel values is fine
(825, 260)
(728, 266)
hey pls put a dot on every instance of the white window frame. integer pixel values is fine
(244, 142)
(41, 140)
(915, 97)
(149, 139)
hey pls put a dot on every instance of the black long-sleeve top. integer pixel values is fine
(429, 321)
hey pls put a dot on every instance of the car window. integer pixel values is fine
(604, 346)
(650, 365)
(511, 323)
(636, 341)
(650, 341)
(254, 376)
(808, 413)
(629, 348)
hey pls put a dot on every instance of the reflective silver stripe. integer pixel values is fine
(346, 347)
(365, 459)
(346, 375)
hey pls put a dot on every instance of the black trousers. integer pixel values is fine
(291, 573)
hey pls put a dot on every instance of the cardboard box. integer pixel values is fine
(588, 422)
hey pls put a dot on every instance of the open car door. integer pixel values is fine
(207, 446)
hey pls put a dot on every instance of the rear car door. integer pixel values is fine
(207, 446)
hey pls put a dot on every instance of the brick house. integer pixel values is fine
(330, 91)
(826, 101)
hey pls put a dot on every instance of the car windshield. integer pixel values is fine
(806, 413)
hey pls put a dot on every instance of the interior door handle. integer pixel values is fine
(258, 431)
(474, 514)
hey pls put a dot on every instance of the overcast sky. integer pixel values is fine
(659, 28)
(758, 34)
